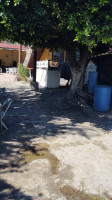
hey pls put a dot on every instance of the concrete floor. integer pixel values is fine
(56, 148)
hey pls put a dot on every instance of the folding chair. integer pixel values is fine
(4, 110)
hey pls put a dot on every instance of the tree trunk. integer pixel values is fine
(76, 78)
(78, 70)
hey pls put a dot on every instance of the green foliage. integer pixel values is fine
(67, 24)
(103, 198)
(57, 23)
(23, 72)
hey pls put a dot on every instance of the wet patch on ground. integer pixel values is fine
(72, 194)
(40, 151)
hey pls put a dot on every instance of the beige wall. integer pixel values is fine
(46, 55)
(8, 56)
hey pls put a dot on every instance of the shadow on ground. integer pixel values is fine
(9, 192)
(43, 113)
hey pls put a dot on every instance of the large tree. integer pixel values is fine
(72, 25)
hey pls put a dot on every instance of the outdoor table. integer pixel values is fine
(13, 70)
(10, 70)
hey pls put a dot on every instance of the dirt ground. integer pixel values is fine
(56, 148)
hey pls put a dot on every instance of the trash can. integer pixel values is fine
(102, 98)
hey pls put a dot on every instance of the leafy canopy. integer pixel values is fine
(57, 24)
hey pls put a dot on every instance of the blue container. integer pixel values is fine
(93, 76)
(102, 98)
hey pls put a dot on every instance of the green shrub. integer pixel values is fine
(23, 72)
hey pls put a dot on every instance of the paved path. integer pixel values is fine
(7, 77)
(56, 148)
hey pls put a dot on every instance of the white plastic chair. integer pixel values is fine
(7, 70)
(0, 70)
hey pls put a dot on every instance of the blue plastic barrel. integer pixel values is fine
(93, 76)
(102, 98)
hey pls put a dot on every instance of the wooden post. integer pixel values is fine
(20, 54)
(34, 66)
